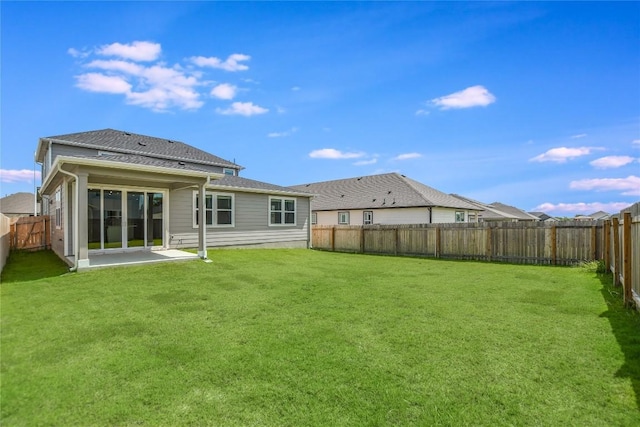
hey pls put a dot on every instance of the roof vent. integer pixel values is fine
(373, 200)
(359, 178)
(181, 163)
(168, 140)
(342, 195)
(389, 192)
(142, 143)
(127, 133)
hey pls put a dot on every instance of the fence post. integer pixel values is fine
(438, 237)
(594, 244)
(607, 245)
(362, 239)
(626, 258)
(616, 251)
(554, 248)
(333, 238)
(395, 246)
(488, 250)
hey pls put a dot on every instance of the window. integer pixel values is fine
(282, 211)
(314, 218)
(343, 218)
(459, 216)
(228, 171)
(367, 217)
(218, 209)
(58, 202)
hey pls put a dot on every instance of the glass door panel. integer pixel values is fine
(154, 219)
(94, 219)
(112, 219)
(135, 219)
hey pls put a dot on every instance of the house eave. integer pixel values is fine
(257, 190)
(62, 160)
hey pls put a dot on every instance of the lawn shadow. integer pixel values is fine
(625, 324)
(24, 266)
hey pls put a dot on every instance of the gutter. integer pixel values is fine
(76, 240)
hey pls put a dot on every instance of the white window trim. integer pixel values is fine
(214, 208)
(463, 216)
(227, 170)
(314, 217)
(58, 208)
(364, 214)
(346, 215)
(295, 211)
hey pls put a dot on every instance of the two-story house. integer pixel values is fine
(109, 190)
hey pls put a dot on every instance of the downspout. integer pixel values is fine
(430, 215)
(76, 249)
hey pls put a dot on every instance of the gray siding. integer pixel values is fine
(251, 223)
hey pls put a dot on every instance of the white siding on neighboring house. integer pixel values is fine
(394, 216)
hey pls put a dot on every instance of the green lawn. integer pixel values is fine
(309, 338)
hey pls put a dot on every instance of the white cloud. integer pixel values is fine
(609, 162)
(156, 85)
(136, 51)
(366, 162)
(77, 53)
(562, 154)
(636, 142)
(582, 135)
(18, 175)
(243, 109)
(586, 208)
(474, 96)
(407, 156)
(332, 153)
(224, 91)
(295, 88)
(422, 113)
(96, 82)
(232, 63)
(117, 65)
(282, 134)
(629, 186)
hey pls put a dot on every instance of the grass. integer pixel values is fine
(306, 338)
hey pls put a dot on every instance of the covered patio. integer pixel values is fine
(125, 258)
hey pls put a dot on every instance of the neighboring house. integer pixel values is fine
(17, 205)
(109, 190)
(543, 217)
(389, 198)
(599, 215)
(519, 214)
(498, 211)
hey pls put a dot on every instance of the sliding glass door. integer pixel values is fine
(119, 219)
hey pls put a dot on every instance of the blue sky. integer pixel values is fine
(535, 105)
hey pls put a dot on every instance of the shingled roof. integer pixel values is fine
(131, 143)
(17, 204)
(391, 190)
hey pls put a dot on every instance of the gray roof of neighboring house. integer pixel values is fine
(390, 190)
(488, 212)
(518, 213)
(600, 215)
(127, 142)
(18, 203)
(541, 216)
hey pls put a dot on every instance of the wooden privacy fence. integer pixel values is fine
(31, 233)
(560, 243)
(622, 254)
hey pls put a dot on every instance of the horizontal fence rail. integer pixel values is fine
(562, 243)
